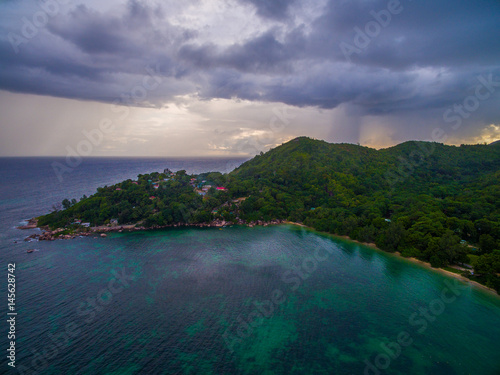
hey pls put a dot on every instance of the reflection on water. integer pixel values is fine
(246, 301)
(275, 300)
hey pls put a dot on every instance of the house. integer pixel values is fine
(135, 182)
(156, 186)
(221, 188)
(152, 197)
(113, 222)
(118, 189)
(86, 225)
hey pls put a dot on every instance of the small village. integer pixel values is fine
(200, 186)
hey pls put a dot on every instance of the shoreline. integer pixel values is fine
(101, 231)
(445, 272)
(397, 254)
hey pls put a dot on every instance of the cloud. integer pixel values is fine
(277, 9)
(416, 63)
(286, 62)
(261, 54)
(92, 33)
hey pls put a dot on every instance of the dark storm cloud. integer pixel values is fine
(454, 42)
(424, 33)
(262, 54)
(427, 54)
(129, 35)
(276, 9)
(86, 54)
(93, 33)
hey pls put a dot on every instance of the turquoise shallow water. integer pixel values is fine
(275, 300)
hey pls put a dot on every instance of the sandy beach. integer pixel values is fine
(397, 254)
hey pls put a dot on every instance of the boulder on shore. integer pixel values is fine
(32, 224)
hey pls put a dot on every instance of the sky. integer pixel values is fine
(237, 77)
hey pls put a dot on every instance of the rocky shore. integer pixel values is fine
(32, 224)
(101, 231)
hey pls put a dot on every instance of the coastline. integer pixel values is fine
(397, 254)
(101, 231)
(58, 234)
(445, 272)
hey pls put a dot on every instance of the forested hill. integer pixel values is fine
(422, 167)
(346, 189)
(436, 202)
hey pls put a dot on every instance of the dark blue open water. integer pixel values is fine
(275, 300)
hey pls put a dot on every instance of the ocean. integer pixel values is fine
(236, 300)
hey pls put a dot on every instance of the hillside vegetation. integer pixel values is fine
(427, 200)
